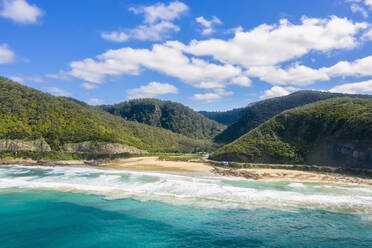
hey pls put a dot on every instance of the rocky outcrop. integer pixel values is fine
(107, 148)
(24, 145)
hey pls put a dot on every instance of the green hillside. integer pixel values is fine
(168, 115)
(336, 132)
(257, 113)
(223, 117)
(28, 114)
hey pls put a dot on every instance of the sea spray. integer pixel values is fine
(188, 189)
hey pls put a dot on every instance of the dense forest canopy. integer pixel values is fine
(257, 113)
(26, 113)
(168, 115)
(223, 117)
(331, 132)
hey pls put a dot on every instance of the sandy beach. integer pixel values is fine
(153, 163)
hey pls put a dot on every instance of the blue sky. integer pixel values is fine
(209, 55)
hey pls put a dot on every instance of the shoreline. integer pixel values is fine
(153, 163)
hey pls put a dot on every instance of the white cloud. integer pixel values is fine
(355, 8)
(17, 79)
(157, 24)
(115, 36)
(276, 91)
(211, 96)
(96, 101)
(367, 35)
(161, 12)
(207, 97)
(20, 11)
(360, 67)
(241, 81)
(88, 86)
(272, 44)
(154, 32)
(295, 74)
(7, 56)
(58, 92)
(258, 53)
(208, 24)
(23, 79)
(367, 3)
(354, 88)
(61, 75)
(165, 58)
(151, 90)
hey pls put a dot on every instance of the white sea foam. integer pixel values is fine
(204, 191)
(296, 185)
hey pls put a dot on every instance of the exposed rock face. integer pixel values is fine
(108, 148)
(24, 145)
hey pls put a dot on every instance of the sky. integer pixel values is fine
(210, 55)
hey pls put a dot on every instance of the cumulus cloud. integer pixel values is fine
(115, 36)
(96, 101)
(23, 79)
(257, 53)
(208, 25)
(18, 79)
(367, 35)
(20, 11)
(355, 8)
(154, 32)
(272, 44)
(61, 75)
(241, 81)
(58, 92)
(354, 88)
(367, 3)
(296, 74)
(360, 67)
(163, 58)
(7, 56)
(89, 86)
(276, 91)
(211, 96)
(157, 24)
(151, 90)
(160, 11)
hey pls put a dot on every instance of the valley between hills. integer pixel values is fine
(310, 130)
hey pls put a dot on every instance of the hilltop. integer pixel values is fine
(168, 115)
(223, 117)
(31, 119)
(257, 113)
(336, 132)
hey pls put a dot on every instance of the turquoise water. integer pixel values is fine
(89, 207)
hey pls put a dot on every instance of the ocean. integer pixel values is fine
(73, 206)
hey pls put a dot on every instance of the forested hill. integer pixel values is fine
(336, 132)
(223, 117)
(257, 113)
(166, 114)
(28, 114)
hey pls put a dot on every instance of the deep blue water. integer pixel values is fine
(40, 217)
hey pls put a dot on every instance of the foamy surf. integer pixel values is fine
(200, 190)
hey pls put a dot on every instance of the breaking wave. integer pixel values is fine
(197, 190)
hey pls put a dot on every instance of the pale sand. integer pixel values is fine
(153, 163)
(282, 175)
